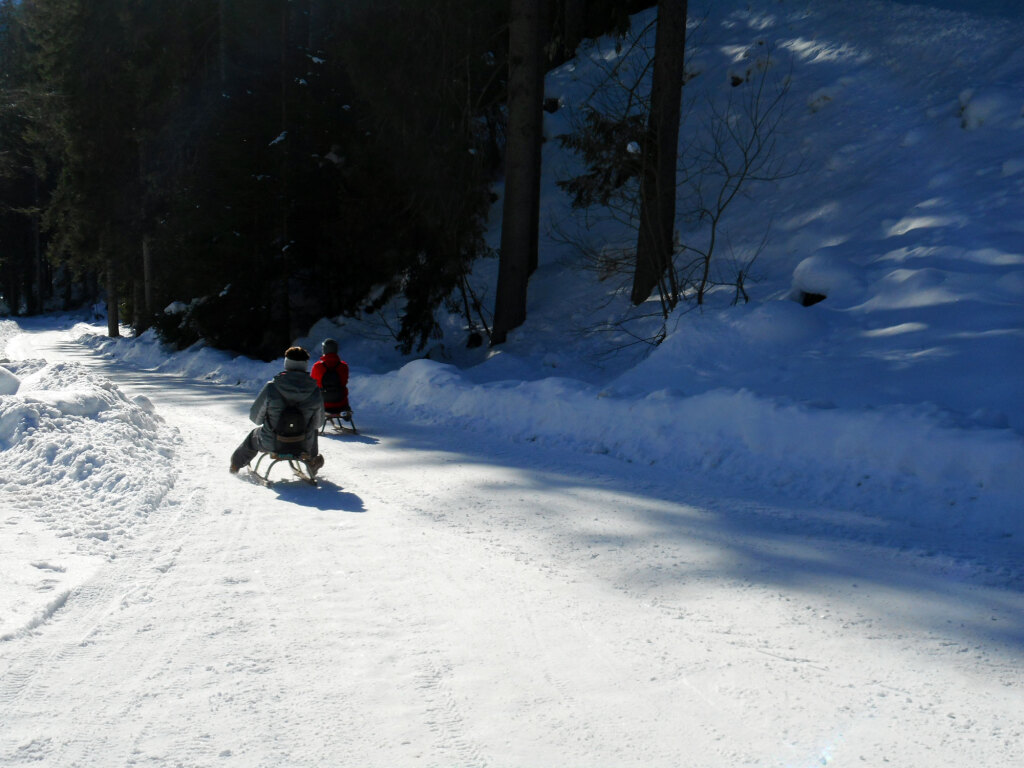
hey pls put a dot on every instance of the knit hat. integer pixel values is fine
(330, 347)
(295, 359)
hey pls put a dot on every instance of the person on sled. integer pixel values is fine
(331, 374)
(292, 387)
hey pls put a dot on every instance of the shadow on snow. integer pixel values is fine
(934, 578)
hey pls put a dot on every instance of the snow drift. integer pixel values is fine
(69, 434)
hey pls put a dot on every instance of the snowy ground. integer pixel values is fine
(454, 598)
(789, 536)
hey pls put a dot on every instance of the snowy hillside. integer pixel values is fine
(786, 536)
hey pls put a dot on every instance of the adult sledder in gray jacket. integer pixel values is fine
(293, 386)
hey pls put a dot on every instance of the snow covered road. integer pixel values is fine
(454, 599)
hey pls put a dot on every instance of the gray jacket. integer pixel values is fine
(288, 388)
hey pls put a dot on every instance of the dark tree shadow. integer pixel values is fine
(765, 536)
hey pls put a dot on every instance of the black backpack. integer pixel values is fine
(331, 386)
(291, 425)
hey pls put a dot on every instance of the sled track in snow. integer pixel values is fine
(68, 637)
(443, 715)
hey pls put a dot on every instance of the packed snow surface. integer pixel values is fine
(786, 536)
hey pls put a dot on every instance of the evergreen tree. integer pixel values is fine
(83, 59)
(428, 143)
(252, 204)
(273, 161)
(25, 277)
(168, 41)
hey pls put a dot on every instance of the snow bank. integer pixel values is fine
(68, 434)
(893, 461)
(81, 468)
(198, 361)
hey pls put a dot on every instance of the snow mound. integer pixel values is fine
(71, 435)
(9, 383)
(828, 275)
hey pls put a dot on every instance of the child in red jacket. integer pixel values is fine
(331, 374)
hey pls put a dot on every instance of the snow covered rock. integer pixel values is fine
(828, 275)
(994, 104)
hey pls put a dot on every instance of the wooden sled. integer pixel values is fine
(299, 465)
(340, 422)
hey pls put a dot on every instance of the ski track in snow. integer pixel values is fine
(445, 599)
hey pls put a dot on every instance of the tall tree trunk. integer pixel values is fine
(12, 290)
(281, 313)
(113, 318)
(42, 287)
(661, 147)
(144, 299)
(540, 38)
(574, 14)
(147, 280)
(137, 312)
(521, 209)
(222, 43)
(316, 21)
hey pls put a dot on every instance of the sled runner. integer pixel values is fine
(340, 422)
(299, 465)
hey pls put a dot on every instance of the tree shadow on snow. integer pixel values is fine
(664, 535)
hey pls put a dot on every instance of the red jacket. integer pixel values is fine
(319, 367)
